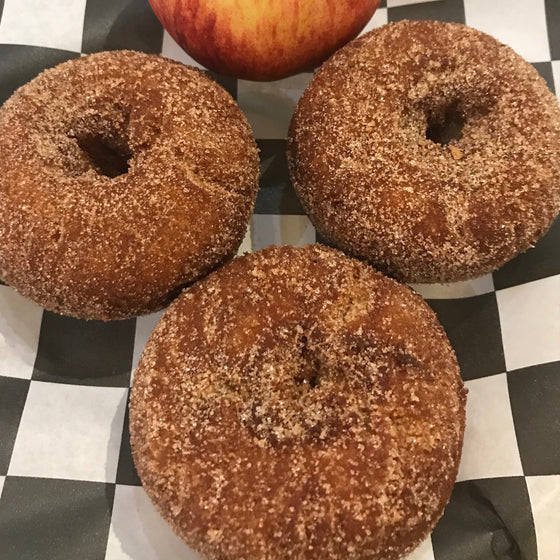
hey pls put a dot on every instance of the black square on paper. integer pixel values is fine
(534, 393)
(126, 471)
(542, 261)
(13, 393)
(84, 352)
(473, 327)
(121, 24)
(19, 64)
(545, 70)
(448, 10)
(552, 8)
(1, 9)
(50, 519)
(487, 519)
(276, 194)
(227, 82)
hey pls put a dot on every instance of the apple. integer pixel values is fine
(262, 39)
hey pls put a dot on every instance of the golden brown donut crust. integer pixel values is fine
(85, 244)
(297, 404)
(422, 211)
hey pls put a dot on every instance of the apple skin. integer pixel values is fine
(262, 39)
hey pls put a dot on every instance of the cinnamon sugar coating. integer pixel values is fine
(420, 209)
(297, 404)
(81, 234)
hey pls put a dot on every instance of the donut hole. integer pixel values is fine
(445, 124)
(107, 154)
(310, 382)
(56, 235)
(309, 374)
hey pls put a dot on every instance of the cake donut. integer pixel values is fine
(297, 404)
(428, 149)
(123, 177)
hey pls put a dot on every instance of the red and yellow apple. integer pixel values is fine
(262, 39)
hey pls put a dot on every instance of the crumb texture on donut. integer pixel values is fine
(298, 404)
(123, 177)
(430, 150)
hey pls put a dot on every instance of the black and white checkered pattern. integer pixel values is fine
(67, 482)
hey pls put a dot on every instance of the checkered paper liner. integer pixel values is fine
(68, 486)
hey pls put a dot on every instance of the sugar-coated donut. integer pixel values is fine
(297, 404)
(428, 149)
(123, 177)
